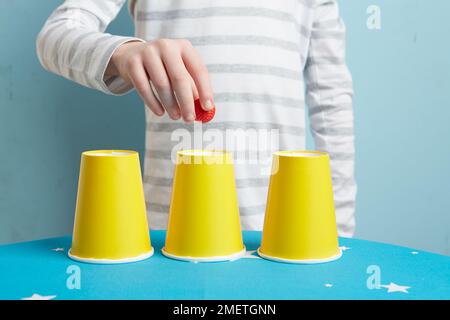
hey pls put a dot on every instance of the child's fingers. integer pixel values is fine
(181, 83)
(161, 83)
(194, 88)
(141, 82)
(200, 75)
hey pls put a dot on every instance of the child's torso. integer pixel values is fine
(255, 52)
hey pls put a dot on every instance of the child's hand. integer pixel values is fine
(174, 68)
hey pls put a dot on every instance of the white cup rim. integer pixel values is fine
(109, 153)
(301, 154)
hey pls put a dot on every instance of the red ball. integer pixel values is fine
(202, 115)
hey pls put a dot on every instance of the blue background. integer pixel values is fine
(402, 108)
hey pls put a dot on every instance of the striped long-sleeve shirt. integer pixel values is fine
(266, 59)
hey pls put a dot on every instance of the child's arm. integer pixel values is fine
(329, 98)
(73, 44)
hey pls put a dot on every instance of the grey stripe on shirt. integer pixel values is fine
(269, 99)
(244, 40)
(256, 69)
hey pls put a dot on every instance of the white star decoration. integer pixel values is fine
(344, 248)
(37, 296)
(58, 249)
(250, 255)
(328, 285)
(393, 287)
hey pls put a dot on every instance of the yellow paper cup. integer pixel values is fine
(300, 223)
(204, 223)
(110, 217)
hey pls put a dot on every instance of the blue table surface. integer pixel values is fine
(42, 270)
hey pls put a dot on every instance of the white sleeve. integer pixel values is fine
(73, 44)
(329, 99)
